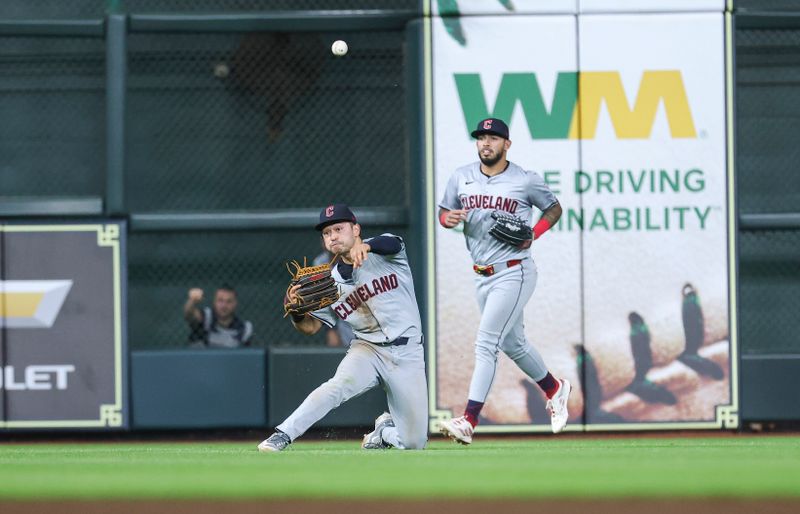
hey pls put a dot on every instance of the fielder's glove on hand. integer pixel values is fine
(317, 289)
(511, 230)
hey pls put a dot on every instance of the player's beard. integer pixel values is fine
(341, 250)
(491, 161)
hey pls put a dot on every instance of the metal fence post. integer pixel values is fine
(116, 82)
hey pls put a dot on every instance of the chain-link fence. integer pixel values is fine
(768, 120)
(265, 121)
(52, 107)
(84, 9)
(52, 9)
(767, 5)
(138, 6)
(769, 292)
(249, 122)
(235, 122)
(163, 266)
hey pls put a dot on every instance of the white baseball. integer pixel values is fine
(339, 48)
(221, 70)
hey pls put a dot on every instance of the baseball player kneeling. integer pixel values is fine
(369, 285)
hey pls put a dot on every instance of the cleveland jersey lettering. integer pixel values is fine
(488, 202)
(364, 293)
(378, 301)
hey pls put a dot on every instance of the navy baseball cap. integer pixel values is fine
(491, 126)
(334, 214)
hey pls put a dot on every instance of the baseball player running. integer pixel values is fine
(376, 297)
(481, 195)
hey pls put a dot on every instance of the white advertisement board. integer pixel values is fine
(505, 7)
(653, 182)
(624, 118)
(630, 6)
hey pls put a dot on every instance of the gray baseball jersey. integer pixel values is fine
(514, 191)
(378, 301)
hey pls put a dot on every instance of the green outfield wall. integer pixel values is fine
(213, 132)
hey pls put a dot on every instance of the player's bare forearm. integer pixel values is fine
(548, 219)
(553, 214)
(449, 219)
(308, 325)
(358, 253)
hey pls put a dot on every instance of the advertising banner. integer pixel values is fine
(450, 14)
(510, 7)
(660, 6)
(456, 8)
(62, 346)
(654, 190)
(624, 117)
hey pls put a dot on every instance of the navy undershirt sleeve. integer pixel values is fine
(380, 245)
(385, 245)
(345, 270)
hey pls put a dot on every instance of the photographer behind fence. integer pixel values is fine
(216, 326)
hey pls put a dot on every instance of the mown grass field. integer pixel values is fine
(578, 467)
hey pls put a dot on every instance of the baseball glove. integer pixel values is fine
(318, 289)
(510, 229)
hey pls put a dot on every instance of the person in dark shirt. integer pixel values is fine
(216, 326)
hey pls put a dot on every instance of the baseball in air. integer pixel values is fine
(339, 48)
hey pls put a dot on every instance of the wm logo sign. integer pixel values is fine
(574, 115)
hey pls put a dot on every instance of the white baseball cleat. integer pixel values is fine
(458, 429)
(374, 440)
(277, 442)
(557, 406)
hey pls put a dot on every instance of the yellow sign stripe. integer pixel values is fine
(19, 305)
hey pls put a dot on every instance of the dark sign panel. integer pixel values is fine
(62, 340)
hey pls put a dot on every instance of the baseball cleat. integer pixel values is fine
(374, 440)
(458, 429)
(557, 405)
(277, 442)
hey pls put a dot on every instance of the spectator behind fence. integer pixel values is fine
(217, 326)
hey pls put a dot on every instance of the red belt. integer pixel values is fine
(491, 269)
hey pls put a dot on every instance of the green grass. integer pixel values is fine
(743, 467)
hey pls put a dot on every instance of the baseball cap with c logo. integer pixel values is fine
(334, 214)
(491, 126)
